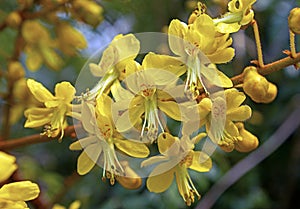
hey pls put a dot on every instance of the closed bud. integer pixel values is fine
(271, 94)
(13, 20)
(248, 143)
(15, 71)
(294, 20)
(131, 180)
(255, 85)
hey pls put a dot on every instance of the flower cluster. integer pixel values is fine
(130, 110)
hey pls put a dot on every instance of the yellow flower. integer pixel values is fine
(74, 205)
(224, 112)
(112, 66)
(69, 39)
(39, 47)
(99, 146)
(248, 142)
(15, 194)
(177, 156)
(240, 13)
(7, 166)
(57, 107)
(198, 45)
(148, 92)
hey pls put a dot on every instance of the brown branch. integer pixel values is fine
(270, 68)
(33, 139)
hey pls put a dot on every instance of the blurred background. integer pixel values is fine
(272, 184)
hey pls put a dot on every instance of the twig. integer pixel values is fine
(33, 139)
(234, 174)
(258, 44)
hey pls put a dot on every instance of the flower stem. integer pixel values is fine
(33, 139)
(258, 44)
(292, 44)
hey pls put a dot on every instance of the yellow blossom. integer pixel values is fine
(56, 108)
(69, 39)
(39, 47)
(7, 166)
(198, 45)
(239, 13)
(99, 146)
(148, 92)
(222, 115)
(113, 64)
(177, 156)
(248, 142)
(15, 194)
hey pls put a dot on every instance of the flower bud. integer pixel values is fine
(248, 143)
(15, 71)
(255, 85)
(13, 20)
(271, 94)
(294, 20)
(131, 180)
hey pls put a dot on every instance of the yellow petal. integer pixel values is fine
(127, 46)
(201, 162)
(88, 159)
(234, 98)
(7, 166)
(23, 190)
(164, 62)
(204, 24)
(153, 160)
(132, 148)
(132, 116)
(227, 28)
(51, 58)
(222, 56)
(161, 182)
(215, 77)
(108, 60)
(83, 143)
(119, 93)
(241, 113)
(165, 141)
(170, 108)
(39, 91)
(8, 204)
(176, 34)
(65, 90)
(34, 60)
(57, 206)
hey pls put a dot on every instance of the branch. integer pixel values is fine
(33, 139)
(270, 68)
(233, 175)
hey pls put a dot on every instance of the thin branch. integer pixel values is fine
(233, 175)
(270, 68)
(33, 139)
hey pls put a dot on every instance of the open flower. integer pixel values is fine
(224, 112)
(177, 156)
(57, 107)
(14, 195)
(148, 93)
(240, 13)
(99, 146)
(112, 66)
(199, 45)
